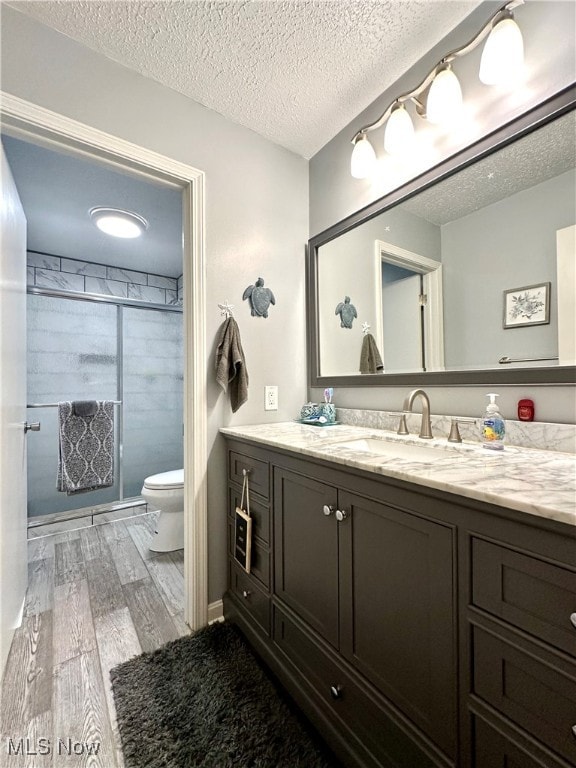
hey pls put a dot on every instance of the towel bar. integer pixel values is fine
(55, 405)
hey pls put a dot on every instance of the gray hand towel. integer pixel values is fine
(85, 448)
(231, 371)
(370, 360)
(84, 407)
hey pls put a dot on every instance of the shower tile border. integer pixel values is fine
(78, 276)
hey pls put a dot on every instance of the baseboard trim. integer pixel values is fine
(215, 612)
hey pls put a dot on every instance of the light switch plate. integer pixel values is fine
(271, 398)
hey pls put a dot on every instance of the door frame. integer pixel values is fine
(431, 272)
(29, 121)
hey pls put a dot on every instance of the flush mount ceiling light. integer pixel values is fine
(438, 98)
(118, 223)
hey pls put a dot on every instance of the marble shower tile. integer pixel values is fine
(30, 275)
(170, 283)
(127, 275)
(43, 261)
(63, 281)
(83, 268)
(147, 293)
(172, 297)
(106, 287)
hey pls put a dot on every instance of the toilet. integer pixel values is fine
(166, 492)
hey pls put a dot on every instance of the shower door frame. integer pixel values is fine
(26, 120)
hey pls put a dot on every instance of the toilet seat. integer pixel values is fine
(165, 481)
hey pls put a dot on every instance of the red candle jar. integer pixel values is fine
(526, 410)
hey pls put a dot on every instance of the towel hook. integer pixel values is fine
(226, 309)
(366, 328)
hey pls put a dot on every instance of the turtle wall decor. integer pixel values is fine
(347, 312)
(260, 298)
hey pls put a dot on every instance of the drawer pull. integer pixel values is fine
(246, 472)
(328, 509)
(336, 691)
(246, 594)
(341, 514)
(573, 619)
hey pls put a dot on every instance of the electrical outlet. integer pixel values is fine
(270, 398)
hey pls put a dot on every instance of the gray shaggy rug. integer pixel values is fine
(204, 701)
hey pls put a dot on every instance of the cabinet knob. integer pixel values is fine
(336, 691)
(246, 594)
(341, 514)
(328, 509)
(574, 731)
(573, 619)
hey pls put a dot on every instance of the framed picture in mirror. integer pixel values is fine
(527, 306)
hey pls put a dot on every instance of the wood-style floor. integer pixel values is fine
(96, 597)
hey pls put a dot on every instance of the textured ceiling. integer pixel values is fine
(58, 190)
(539, 156)
(296, 72)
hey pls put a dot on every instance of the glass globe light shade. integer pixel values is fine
(399, 133)
(503, 55)
(444, 103)
(363, 158)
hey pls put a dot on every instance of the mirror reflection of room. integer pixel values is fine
(505, 224)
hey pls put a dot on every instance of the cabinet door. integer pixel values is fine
(397, 610)
(306, 551)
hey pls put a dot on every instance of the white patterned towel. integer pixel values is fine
(85, 448)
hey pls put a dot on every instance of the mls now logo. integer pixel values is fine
(42, 746)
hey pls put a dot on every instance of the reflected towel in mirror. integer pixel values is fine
(370, 360)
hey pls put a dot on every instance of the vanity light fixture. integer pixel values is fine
(444, 103)
(399, 133)
(438, 98)
(118, 223)
(363, 157)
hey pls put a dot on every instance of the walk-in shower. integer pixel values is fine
(104, 348)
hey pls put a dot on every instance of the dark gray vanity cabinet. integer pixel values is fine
(414, 628)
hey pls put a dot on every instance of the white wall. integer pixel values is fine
(256, 218)
(548, 29)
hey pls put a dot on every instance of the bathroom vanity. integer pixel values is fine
(420, 609)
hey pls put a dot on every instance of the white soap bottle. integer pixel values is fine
(493, 426)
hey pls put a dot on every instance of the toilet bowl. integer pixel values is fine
(166, 492)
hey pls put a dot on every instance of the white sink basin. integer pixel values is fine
(396, 449)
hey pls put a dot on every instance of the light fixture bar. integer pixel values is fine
(412, 95)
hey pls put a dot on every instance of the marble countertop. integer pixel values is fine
(538, 482)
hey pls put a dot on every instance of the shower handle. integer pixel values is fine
(34, 427)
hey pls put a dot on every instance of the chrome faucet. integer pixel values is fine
(425, 425)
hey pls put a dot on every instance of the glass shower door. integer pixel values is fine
(72, 355)
(153, 377)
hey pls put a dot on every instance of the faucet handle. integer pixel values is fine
(454, 436)
(402, 427)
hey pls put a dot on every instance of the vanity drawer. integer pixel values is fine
(259, 472)
(345, 700)
(493, 750)
(260, 513)
(534, 595)
(259, 561)
(537, 696)
(250, 595)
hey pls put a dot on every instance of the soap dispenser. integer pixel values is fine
(493, 427)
